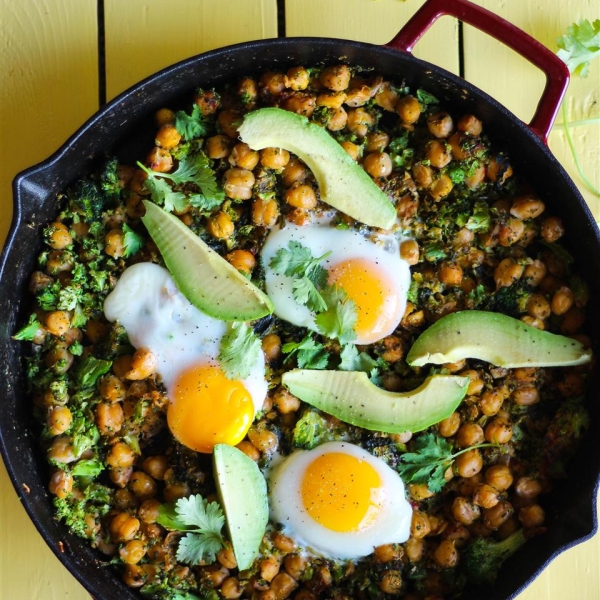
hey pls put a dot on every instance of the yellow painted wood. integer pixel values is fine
(518, 85)
(143, 36)
(373, 21)
(49, 87)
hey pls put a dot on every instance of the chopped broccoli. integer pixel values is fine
(90, 369)
(29, 331)
(109, 180)
(483, 558)
(313, 429)
(89, 199)
(510, 300)
(73, 511)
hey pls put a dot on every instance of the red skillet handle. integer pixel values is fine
(557, 74)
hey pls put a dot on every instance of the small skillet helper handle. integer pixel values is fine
(557, 74)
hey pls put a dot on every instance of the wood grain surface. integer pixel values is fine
(49, 74)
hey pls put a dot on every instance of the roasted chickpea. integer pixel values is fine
(437, 154)
(450, 274)
(244, 157)
(469, 434)
(143, 364)
(469, 463)
(391, 581)
(499, 477)
(498, 431)
(297, 78)
(58, 236)
(440, 124)
(446, 554)
(163, 116)
(420, 525)
(220, 225)
(120, 455)
(408, 109)
(336, 78)
(124, 527)
(378, 164)
(274, 158)
(301, 103)
(409, 251)
(58, 322)
(132, 552)
(273, 83)
(562, 300)
(208, 101)
(360, 121)
(218, 146)
(507, 272)
(464, 511)
(470, 124)
(229, 121)
(238, 183)
(449, 426)
(301, 195)
(114, 243)
(497, 515)
(59, 419)
(109, 418)
(441, 187)
(485, 496)
(167, 136)
(265, 212)
(61, 484)
(552, 229)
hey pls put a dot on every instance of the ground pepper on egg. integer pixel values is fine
(475, 236)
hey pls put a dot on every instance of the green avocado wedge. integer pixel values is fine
(352, 398)
(494, 338)
(342, 183)
(242, 492)
(206, 279)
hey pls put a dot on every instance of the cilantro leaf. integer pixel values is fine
(306, 293)
(309, 353)
(353, 360)
(202, 520)
(27, 333)
(580, 45)
(426, 98)
(338, 321)
(190, 126)
(297, 260)
(133, 243)
(240, 351)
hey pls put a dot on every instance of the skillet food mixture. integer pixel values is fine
(302, 350)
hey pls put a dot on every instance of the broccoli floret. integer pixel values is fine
(510, 300)
(313, 429)
(73, 511)
(109, 181)
(483, 558)
(89, 199)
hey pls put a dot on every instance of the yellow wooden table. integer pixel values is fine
(49, 73)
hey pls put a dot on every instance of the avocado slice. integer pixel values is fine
(242, 492)
(494, 338)
(343, 183)
(351, 397)
(206, 279)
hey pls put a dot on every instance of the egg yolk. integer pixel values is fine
(367, 285)
(207, 409)
(341, 492)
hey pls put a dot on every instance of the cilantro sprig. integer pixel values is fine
(336, 313)
(193, 169)
(201, 520)
(309, 353)
(240, 350)
(190, 126)
(133, 242)
(430, 457)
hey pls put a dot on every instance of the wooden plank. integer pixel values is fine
(373, 21)
(143, 36)
(49, 88)
(504, 74)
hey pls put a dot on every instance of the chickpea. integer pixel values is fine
(271, 347)
(269, 567)
(527, 207)
(420, 525)
(533, 322)
(336, 77)
(511, 232)
(112, 388)
(526, 395)
(59, 360)
(142, 485)
(388, 552)
(507, 272)
(274, 158)
(265, 212)
(441, 187)
(423, 175)
(61, 484)
(476, 178)
(242, 260)
(391, 582)
(114, 243)
(244, 157)
(285, 401)
(294, 172)
(59, 261)
(160, 160)
(332, 100)
(59, 419)
(297, 78)
(109, 418)
(218, 146)
(499, 477)
(61, 450)
(470, 124)
(124, 527)
(174, 491)
(208, 101)
(469, 463)
(263, 439)
(538, 306)
(351, 149)
(163, 116)
(134, 576)
(359, 122)
(437, 154)
(238, 183)
(562, 300)
(58, 237)
(386, 97)
(143, 365)
(220, 226)
(450, 274)
(409, 251)
(295, 565)
(498, 431)
(532, 516)
(283, 543)
(552, 229)
(449, 426)
(231, 588)
(499, 169)
(486, 496)
(58, 322)
(408, 109)
(132, 552)
(148, 512)
(301, 195)
(247, 89)
(301, 103)
(446, 554)
(120, 455)
(419, 491)
(378, 164)
(497, 515)
(167, 136)
(469, 434)
(491, 401)
(39, 281)
(229, 121)
(283, 585)
(440, 125)
(464, 511)
(273, 83)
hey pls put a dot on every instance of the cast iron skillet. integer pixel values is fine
(123, 127)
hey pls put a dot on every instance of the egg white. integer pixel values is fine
(157, 316)
(344, 245)
(391, 525)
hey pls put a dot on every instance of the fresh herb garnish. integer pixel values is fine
(190, 126)
(133, 242)
(27, 333)
(202, 520)
(309, 353)
(89, 370)
(240, 350)
(427, 463)
(339, 319)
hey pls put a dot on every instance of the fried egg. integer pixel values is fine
(339, 501)
(206, 408)
(371, 273)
